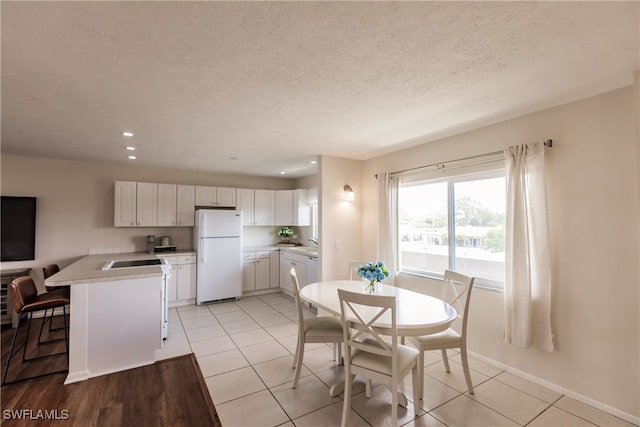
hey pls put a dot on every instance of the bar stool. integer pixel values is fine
(65, 291)
(26, 301)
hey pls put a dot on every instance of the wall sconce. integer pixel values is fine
(350, 194)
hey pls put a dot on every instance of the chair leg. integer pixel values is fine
(346, 405)
(50, 320)
(11, 351)
(367, 388)
(445, 360)
(465, 368)
(300, 355)
(417, 389)
(394, 402)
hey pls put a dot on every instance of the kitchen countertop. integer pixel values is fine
(89, 270)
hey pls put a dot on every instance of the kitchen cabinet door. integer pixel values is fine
(146, 204)
(301, 274)
(185, 205)
(263, 270)
(248, 272)
(226, 197)
(206, 196)
(125, 204)
(245, 203)
(284, 207)
(167, 205)
(264, 207)
(186, 282)
(275, 269)
(301, 208)
(172, 283)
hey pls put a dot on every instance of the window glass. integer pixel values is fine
(454, 223)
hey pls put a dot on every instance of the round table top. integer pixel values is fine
(416, 313)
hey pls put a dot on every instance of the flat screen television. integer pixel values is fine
(18, 238)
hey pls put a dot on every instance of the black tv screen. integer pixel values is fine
(18, 238)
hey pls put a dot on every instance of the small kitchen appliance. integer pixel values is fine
(151, 243)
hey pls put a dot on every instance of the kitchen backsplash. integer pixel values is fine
(182, 238)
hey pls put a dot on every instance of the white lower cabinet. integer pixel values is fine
(248, 271)
(256, 271)
(181, 287)
(298, 262)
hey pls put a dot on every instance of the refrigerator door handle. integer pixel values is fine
(201, 251)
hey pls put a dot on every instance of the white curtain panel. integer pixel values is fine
(387, 243)
(528, 262)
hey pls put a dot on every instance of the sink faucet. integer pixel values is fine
(311, 239)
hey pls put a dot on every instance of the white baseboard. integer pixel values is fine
(555, 387)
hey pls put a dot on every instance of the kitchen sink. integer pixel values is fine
(310, 250)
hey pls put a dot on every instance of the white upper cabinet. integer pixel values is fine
(215, 196)
(226, 197)
(257, 206)
(284, 207)
(264, 207)
(206, 196)
(125, 204)
(185, 205)
(301, 208)
(245, 203)
(167, 207)
(292, 207)
(146, 204)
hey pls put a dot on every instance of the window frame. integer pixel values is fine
(450, 179)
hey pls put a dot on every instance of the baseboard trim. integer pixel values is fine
(555, 387)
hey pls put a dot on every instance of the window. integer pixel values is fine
(456, 223)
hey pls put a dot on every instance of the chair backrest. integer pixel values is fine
(296, 295)
(358, 313)
(457, 292)
(353, 269)
(50, 270)
(24, 291)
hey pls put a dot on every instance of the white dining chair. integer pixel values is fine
(370, 356)
(353, 269)
(459, 286)
(320, 329)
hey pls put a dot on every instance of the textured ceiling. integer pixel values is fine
(274, 84)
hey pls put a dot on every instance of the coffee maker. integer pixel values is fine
(151, 243)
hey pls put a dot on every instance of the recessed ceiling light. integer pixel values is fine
(130, 148)
(313, 162)
(282, 172)
(233, 158)
(127, 134)
(132, 157)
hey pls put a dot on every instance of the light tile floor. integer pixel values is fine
(245, 351)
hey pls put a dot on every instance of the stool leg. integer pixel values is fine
(11, 354)
(26, 341)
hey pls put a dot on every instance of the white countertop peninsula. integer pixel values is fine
(89, 270)
(116, 315)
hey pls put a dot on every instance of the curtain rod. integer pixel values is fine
(441, 165)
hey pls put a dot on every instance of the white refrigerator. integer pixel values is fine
(218, 243)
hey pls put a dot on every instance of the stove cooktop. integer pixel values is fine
(136, 263)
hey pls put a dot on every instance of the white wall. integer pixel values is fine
(593, 212)
(75, 206)
(340, 220)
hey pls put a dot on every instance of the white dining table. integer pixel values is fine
(416, 313)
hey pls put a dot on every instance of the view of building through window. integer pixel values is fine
(457, 224)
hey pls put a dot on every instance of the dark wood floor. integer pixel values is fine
(167, 393)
